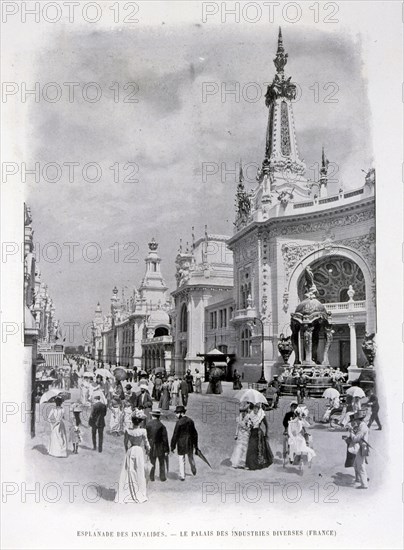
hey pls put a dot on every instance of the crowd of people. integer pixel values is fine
(145, 440)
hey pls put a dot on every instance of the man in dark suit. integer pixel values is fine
(144, 402)
(185, 439)
(158, 439)
(97, 422)
(373, 403)
(184, 392)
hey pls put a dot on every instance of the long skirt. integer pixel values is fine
(165, 400)
(239, 454)
(259, 454)
(198, 385)
(58, 440)
(115, 421)
(132, 481)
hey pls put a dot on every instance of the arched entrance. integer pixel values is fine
(342, 286)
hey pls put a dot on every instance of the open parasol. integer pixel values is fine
(331, 393)
(120, 373)
(356, 391)
(50, 396)
(105, 373)
(252, 396)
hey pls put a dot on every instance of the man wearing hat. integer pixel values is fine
(97, 422)
(185, 439)
(144, 401)
(158, 439)
(358, 441)
(129, 395)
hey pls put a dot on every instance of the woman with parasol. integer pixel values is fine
(58, 438)
(259, 453)
(244, 425)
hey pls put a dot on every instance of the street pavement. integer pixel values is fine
(97, 474)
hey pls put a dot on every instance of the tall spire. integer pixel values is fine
(281, 57)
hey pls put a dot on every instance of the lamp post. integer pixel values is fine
(262, 379)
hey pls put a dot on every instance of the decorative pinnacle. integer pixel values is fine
(153, 245)
(281, 57)
(241, 175)
(324, 164)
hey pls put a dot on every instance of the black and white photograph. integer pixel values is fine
(201, 291)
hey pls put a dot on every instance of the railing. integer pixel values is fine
(249, 312)
(326, 200)
(158, 340)
(303, 204)
(329, 199)
(345, 306)
(353, 193)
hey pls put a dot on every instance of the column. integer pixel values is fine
(352, 339)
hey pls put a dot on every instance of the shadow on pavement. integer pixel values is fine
(344, 480)
(41, 448)
(106, 493)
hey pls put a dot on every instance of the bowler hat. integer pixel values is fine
(180, 409)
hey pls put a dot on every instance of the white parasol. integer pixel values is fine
(331, 393)
(356, 391)
(50, 395)
(105, 373)
(252, 396)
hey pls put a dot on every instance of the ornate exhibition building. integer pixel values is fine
(300, 255)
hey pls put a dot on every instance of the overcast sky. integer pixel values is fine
(169, 134)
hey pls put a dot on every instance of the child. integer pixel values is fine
(75, 436)
(77, 408)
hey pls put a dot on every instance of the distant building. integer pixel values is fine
(42, 338)
(137, 331)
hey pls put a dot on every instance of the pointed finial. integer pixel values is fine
(206, 232)
(187, 248)
(241, 175)
(193, 237)
(281, 57)
(180, 247)
(324, 163)
(280, 40)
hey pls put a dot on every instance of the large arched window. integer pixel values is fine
(184, 319)
(246, 343)
(333, 276)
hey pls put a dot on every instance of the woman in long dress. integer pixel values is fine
(115, 421)
(242, 437)
(132, 481)
(127, 415)
(198, 381)
(165, 396)
(58, 437)
(259, 454)
(298, 435)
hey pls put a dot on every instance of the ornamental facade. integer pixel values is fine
(283, 226)
(137, 332)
